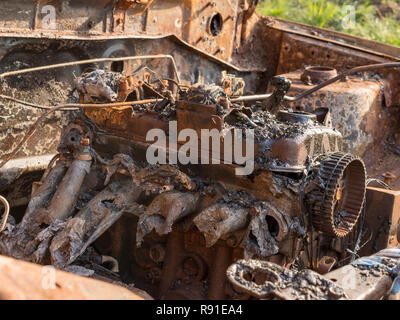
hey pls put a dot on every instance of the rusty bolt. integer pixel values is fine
(389, 178)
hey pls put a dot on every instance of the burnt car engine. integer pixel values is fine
(173, 229)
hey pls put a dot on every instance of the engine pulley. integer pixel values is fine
(337, 202)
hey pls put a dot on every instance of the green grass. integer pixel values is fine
(375, 20)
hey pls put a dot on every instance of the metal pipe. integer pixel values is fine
(64, 200)
(77, 106)
(371, 67)
(43, 194)
(48, 186)
(255, 97)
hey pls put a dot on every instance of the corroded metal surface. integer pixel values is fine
(382, 219)
(26, 281)
(204, 24)
(368, 278)
(354, 104)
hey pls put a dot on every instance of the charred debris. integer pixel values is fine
(286, 231)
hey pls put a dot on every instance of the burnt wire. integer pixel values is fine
(50, 166)
(380, 182)
(357, 247)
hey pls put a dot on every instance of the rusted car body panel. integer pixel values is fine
(183, 255)
(26, 281)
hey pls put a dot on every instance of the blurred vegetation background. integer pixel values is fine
(376, 20)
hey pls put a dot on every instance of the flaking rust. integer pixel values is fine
(294, 220)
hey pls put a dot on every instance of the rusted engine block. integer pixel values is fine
(175, 229)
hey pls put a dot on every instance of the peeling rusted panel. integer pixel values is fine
(355, 106)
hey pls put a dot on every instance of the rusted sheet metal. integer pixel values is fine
(27, 281)
(15, 168)
(207, 25)
(382, 220)
(18, 172)
(355, 106)
(338, 38)
(298, 51)
(358, 285)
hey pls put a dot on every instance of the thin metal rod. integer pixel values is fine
(255, 97)
(74, 63)
(371, 67)
(30, 104)
(77, 106)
